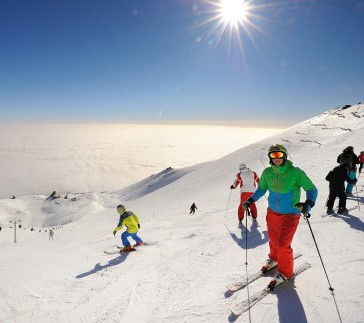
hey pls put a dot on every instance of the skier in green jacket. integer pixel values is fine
(283, 181)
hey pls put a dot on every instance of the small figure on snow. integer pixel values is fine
(349, 158)
(131, 221)
(361, 161)
(54, 195)
(51, 234)
(337, 178)
(283, 181)
(193, 208)
(247, 180)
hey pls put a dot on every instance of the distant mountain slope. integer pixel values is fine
(309, 143)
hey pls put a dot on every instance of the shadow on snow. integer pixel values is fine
(290, 308)
(113, 262)
(353, 221)
(251, 237)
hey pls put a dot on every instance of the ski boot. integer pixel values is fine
(277, 280)
(127, 249)
(342, 210)
(139, 244)
(269, 264)
(330, 211)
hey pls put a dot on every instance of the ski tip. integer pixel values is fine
(232, 287)
(111, 252)
(234, 313)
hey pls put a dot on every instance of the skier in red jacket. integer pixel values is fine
(247, 180)
(361, 161)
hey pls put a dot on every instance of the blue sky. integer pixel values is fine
(163, 61)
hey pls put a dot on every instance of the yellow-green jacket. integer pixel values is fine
(130, 220)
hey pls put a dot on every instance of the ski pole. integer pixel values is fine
(228, 204)
(306, 216)
(326, 202)
(357, 197)
(262, 162)
(247, 211)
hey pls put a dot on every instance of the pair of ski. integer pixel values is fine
(120, 251)
(239, 307)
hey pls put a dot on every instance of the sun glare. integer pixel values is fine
(233, 11)
(231, 21)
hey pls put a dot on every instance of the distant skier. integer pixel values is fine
(283, 181)
(193, 208)
(349, 158)
(51, 234)
(131, 221)
(337, 178)
(361, 161)
(247, 180)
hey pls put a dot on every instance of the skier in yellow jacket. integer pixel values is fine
(131, 221)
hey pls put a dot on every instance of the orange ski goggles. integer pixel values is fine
(276, 154)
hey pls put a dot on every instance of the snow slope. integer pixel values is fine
(182, 276)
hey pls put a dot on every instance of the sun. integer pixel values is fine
(233, 12)
(231, 22)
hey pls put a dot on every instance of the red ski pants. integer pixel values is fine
(281, 229)
(243, 197)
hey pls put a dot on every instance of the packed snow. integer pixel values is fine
(181, 276)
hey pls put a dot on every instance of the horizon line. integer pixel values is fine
(235, 124)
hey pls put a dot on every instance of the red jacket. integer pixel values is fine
(361, 158)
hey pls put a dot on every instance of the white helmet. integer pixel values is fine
(242, 166)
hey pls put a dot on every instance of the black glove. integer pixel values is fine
(247, 203)
(305, 207)
(138, 225)
(232, 187)
(114, 232)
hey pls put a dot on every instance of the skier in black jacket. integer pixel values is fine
(337, 178)
(193, 208)
(349, 158)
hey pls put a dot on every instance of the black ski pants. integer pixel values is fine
(333, 195)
